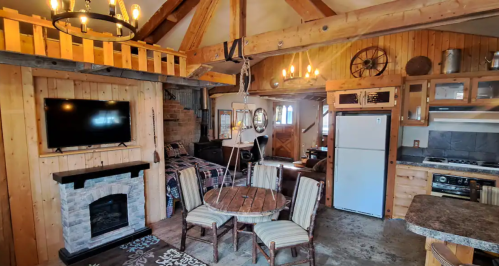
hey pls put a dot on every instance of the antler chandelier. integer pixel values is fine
(63, 12)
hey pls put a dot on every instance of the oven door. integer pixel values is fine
(445, 195)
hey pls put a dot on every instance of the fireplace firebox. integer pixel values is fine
(108, 214)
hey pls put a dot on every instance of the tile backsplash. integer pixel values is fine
(461, 145)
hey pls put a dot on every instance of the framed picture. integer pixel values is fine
(224, 124)
(245, 117)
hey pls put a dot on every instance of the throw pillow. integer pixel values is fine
(320, 167)
(175, 150)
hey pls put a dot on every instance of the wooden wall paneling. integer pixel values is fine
(404, 56)
(32, 138)
(475, 54)
(492, 49)
(12, 33)
(66, 45)
(160, 149)
(7, 255)
(135, 155)
(41, 92)
(392, 54)
(417, 43)
(424, 42)
(38, 39)
(460, 45)
(431, 47)
(437, 53)
(88, 51)
(410, 48)
(78, 89)
(51, 206)
(18, 178)
(484, 52)
(398, 54)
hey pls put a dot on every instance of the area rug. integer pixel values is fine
(146, 251)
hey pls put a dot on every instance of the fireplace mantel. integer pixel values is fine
(78, 177)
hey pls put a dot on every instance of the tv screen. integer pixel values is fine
(72, 122)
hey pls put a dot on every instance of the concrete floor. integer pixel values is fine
(341, 238)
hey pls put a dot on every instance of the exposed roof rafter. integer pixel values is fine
(176, 16)
(311, 9)
(199, 23)
(158, 17)
(237, 19)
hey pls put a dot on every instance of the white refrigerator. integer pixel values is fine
(360, 163)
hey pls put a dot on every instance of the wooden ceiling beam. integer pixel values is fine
(197, 28)
(387, 18)
(172, 20)
(158, 18)
(237, 19)
(311, 9)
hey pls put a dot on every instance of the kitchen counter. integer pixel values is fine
(418, 161)
(460, 222)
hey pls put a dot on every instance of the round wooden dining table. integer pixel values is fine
(245, 201)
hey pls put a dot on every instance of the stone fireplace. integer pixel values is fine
(97, 211)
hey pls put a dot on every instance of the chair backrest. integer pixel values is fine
(262, 141)
(190, 189)
(266, 176)
(305, 201)
(489, 195)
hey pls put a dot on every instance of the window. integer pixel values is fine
(325, 120)
(284, 115)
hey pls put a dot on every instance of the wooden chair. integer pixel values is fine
(298, 231)
(194, 213)
(445, 256)
(258, 180)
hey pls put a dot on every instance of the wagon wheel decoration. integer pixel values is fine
(369, 62)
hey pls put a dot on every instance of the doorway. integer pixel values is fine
(284, 132)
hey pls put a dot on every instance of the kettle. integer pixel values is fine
(494, 63)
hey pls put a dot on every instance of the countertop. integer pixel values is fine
(461, 222)
(418, 161)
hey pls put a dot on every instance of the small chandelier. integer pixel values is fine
(62, 12)
(290, 73)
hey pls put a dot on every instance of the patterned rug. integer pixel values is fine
(146, 251)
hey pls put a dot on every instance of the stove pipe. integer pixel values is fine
(204, 118)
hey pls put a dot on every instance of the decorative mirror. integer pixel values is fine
(260, 120)
(224, 124)
(243, 116)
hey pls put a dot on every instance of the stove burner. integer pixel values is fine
(460, 161)
(435, 159)
(490, 164)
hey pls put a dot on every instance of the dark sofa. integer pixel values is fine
(290, 174)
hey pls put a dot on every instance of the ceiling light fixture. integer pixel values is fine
(290, 75)
(63, 14)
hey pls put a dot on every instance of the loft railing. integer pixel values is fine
(11, 39)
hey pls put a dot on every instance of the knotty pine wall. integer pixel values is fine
(334, 61)
(34, 196)
(7, 257)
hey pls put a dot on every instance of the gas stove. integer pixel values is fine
(462, 163)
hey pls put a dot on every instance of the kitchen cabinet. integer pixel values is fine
(365, 98)
(415, 107)
(449, 91)
(485, 90)
(409, 182)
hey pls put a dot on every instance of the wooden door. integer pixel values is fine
(283, 141)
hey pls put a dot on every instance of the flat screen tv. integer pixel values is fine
(72, 122)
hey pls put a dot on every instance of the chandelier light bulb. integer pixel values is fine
(112, 7)
(83, 20)
(316, 72)
(284, 73)
(135, 11)
(292, 69)
(307, 75)
(309, 68)
(54, 4)
(119, 26)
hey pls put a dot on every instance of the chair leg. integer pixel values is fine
(234, 233)
(272, 253)
(311, 253)
(254, 247)
(203, 232)
(294, 253)
(184, 236)
(215, 242)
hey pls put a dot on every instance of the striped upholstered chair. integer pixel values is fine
(298, 231)
(194, 213)
(258, 179)
(445, 256)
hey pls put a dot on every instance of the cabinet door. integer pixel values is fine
(453, 91)
(485, 90)
(379, 97)
(415, 111)
(408, 183)
(348, 99)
